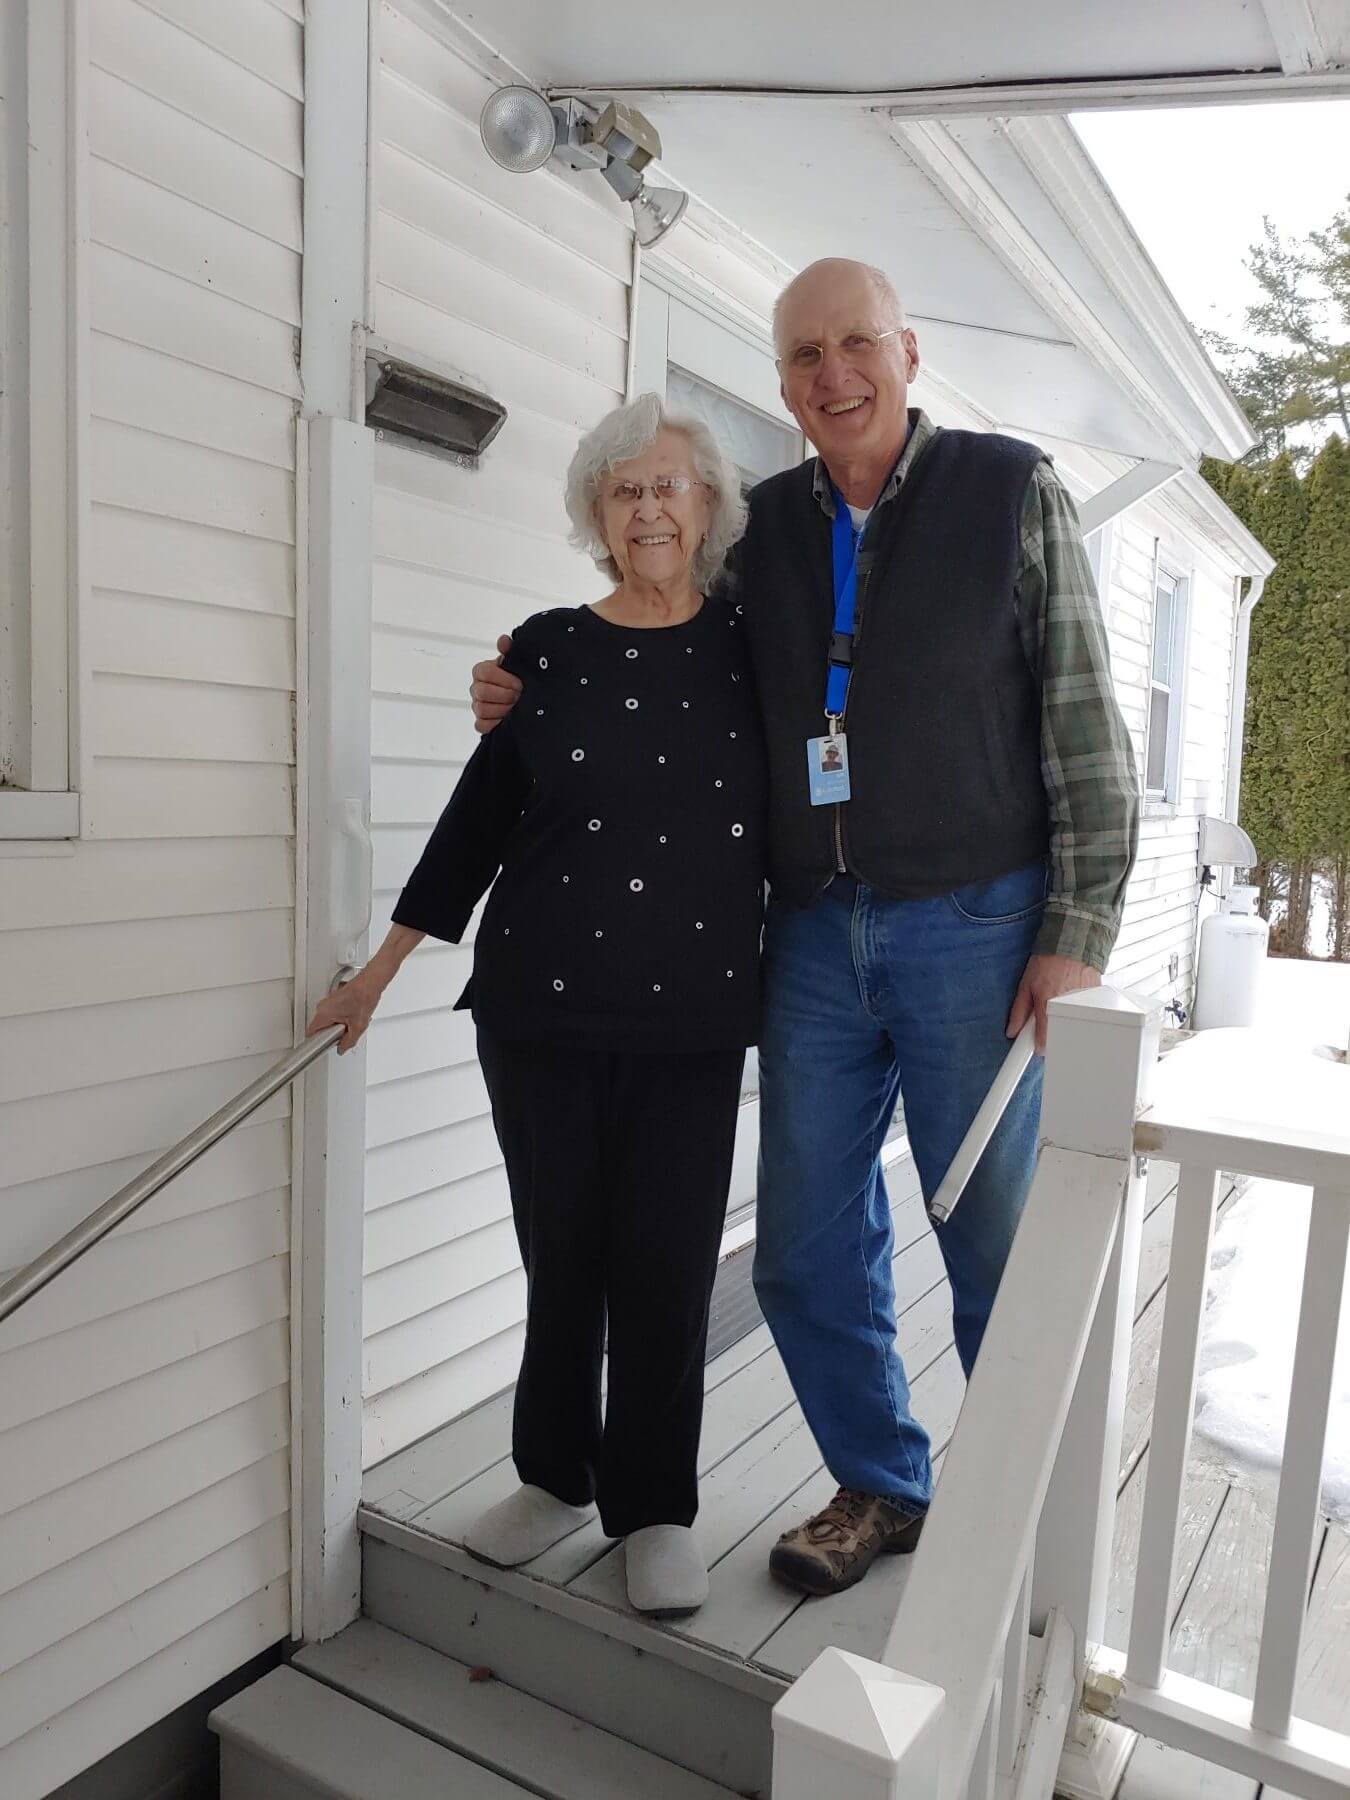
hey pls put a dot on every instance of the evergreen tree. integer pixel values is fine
(1292, 373)
(1274, 509)
(1322, 800)
(1292, 368)
(1296, 757)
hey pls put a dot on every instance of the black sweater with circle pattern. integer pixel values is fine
(623, 802)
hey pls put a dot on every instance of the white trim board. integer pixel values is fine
(336, 461)
(31, 817)
(47, 338)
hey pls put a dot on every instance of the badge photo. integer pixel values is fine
(827, 769)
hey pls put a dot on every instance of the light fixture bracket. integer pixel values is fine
(577, 148)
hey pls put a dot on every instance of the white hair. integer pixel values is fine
(882, 286)
(618, 438)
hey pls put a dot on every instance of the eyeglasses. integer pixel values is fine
(855, 346)
(665, 487)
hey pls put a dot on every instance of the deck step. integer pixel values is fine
(685, 1703)
(289, 1737)
(497, 1727)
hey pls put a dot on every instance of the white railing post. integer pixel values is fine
(1096, 1082)
(1298, 1512)
(964, 1588)
(849, 1729)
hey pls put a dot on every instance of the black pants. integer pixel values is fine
(619, 1165)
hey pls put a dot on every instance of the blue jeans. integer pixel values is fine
(866, 999)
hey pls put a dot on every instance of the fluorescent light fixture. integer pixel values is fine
(433, 412)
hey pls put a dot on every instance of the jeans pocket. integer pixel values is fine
(1006, 899)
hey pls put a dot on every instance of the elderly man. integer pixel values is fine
(920, 610)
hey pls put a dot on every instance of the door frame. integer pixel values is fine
(673, 321)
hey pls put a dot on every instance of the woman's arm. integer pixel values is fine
(464, 851)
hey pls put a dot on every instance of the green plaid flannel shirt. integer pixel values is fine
(1087, 759)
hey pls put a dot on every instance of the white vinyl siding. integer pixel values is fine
(145, 975)
(521, 282)
(1160, 909)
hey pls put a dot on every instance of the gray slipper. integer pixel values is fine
(667, 1576)
(522, 1527)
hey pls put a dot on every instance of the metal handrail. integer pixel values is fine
(95, 1227)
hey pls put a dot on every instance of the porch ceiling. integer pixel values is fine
(867, 45)
(1029, 292)
(999, 291)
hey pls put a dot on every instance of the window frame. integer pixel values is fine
(43, 334)
(1167, 798)
(674, 323)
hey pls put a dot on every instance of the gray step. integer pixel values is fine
(516, 1736)
(291, 1738)
(685, 1703)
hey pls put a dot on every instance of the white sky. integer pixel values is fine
(1194, 183)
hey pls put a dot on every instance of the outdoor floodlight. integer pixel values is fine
(657, 211)
(518, 129)
(522, 130)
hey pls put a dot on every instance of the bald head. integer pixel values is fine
(834, 275)
(845, 362)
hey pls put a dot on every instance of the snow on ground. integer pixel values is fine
(1256, 1277)
(1247, 1354)
(1309, 1001)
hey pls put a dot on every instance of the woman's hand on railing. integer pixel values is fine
(351, 1006)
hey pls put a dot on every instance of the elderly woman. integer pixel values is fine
(614, 990)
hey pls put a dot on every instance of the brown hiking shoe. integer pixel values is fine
(829, 1552)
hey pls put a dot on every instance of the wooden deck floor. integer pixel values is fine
(761, 1472)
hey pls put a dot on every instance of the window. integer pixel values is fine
(719, 369)
(38, 387)
(758, 446)
(1162, 755)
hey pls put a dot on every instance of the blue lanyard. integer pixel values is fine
(847, 542)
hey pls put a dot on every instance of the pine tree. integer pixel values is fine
(1274, 509)
(1322, 800)
(1292, 366)
(1296, 758)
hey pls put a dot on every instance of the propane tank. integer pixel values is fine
(1232, 956)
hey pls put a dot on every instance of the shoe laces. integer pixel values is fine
(840, 1518)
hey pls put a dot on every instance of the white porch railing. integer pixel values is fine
(994, 1679)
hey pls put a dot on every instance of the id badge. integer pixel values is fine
(827, 769)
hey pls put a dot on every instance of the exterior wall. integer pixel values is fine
(145, 972)
(1161, 907)
(523, 284)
